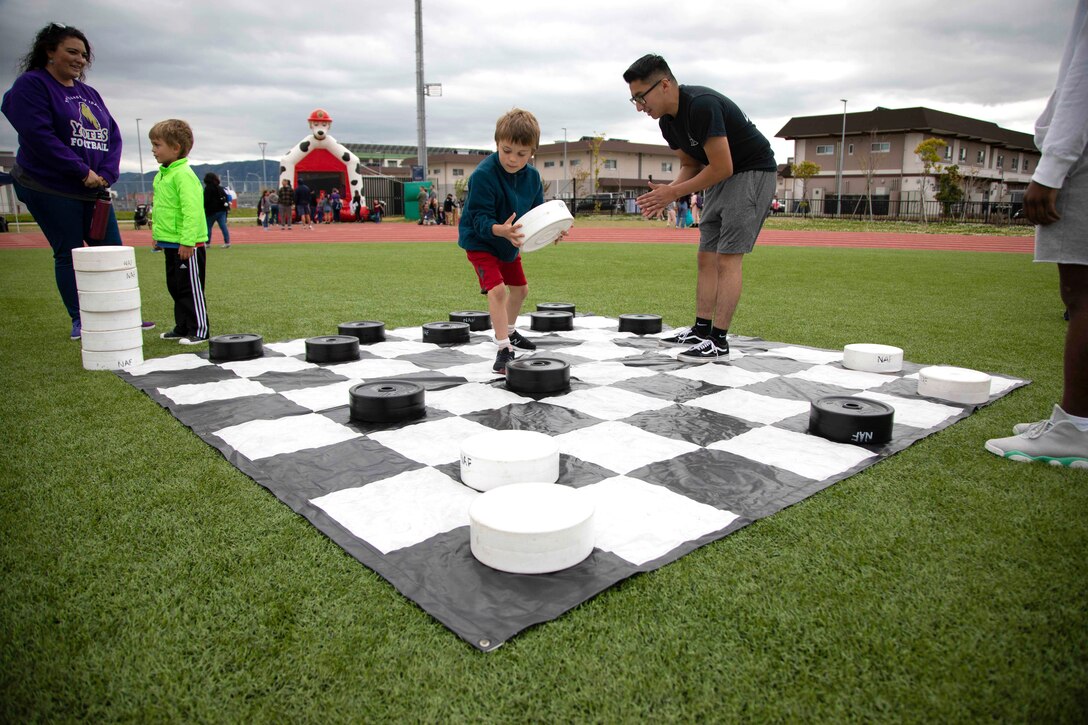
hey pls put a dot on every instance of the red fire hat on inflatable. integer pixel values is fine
(318, 114)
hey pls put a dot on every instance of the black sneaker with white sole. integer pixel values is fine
(504, 356)
(171, 335)
(519, 341)
(683, 336)
(708, 350)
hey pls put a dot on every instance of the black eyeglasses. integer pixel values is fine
(640, 98)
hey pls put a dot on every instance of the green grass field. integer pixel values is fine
(145, 579)
(248, 216)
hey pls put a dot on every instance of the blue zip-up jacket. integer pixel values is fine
(493, 195)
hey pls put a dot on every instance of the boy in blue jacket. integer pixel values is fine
(501, 189)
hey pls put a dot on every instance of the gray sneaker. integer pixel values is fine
(1055, 441)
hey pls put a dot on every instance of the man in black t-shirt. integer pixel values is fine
(722, 152)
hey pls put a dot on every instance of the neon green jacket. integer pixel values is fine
(179, 206)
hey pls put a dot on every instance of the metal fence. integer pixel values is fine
(884, 208)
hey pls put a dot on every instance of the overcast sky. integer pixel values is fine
(243, 71)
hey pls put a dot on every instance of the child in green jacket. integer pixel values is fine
(180, 229)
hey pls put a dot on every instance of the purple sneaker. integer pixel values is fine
(77, 329)
(147, 325)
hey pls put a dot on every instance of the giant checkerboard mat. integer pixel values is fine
(673, 455)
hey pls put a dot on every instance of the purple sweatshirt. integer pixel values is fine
(63, 132)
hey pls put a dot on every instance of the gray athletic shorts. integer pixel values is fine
(734, 211)
(1066, 240)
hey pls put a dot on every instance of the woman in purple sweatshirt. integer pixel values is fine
(69, 149)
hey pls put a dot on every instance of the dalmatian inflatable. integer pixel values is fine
(320, 140)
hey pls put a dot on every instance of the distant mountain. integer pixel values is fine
(244, 176)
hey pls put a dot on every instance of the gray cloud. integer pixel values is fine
(248, 71)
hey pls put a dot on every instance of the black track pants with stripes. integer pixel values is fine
(185, 281)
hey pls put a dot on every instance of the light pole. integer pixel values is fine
(421, 112)
(140, 149)
(842, 150)
(566, 184)
(264, 177)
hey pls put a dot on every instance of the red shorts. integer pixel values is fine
(492, 272)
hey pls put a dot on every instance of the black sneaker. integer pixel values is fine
(683, 336)
(505, 355)
(520, 342)
(708, 350)
(171, 335)
(194, 340)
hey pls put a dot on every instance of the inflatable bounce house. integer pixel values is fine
(324, 164)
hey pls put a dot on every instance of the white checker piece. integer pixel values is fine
(324, 397)
(998, 385)
(471, 397)
(262, 365)
(195, 393)
(915, 412)
(750, 406)
(621, 447)
(725, 376)
(806, 455)
(259, 439)
(173, 363)
(606, 373)
(608, 403)
(432, 442)
(855, 379)
(401, 511)
(639, 522)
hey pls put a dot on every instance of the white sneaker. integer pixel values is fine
(1055, 441)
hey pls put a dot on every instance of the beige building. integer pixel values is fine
(572, 169)
(878, 157)
(568, 168)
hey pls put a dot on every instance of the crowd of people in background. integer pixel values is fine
(284, 206)
(431, 211)
(682, 213)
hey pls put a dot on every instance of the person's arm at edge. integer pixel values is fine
(1065, 139)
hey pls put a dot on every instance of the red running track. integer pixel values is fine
(244, 234)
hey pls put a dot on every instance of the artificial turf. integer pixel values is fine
(146, 579)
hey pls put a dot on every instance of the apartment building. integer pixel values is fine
(567, 168)
(573, 169)
(878, 156)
